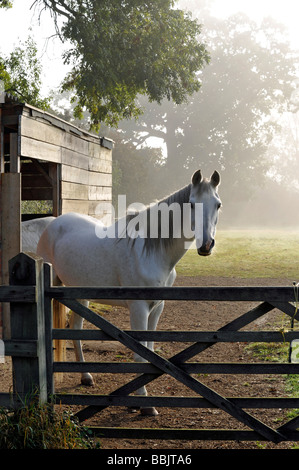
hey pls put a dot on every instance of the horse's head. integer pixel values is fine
(204, 193)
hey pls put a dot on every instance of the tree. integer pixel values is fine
(249, 81)
(20, 72)
(229, 123)
(135, 172)
(120, 49)
(283, 153)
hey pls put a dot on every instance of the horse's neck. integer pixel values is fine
(176, 251)
(169, 249)
(179, 244)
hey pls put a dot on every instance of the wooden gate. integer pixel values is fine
(268, 298)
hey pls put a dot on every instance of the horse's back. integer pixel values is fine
(73, 221)
(69, 240)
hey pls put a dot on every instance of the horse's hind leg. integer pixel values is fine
(139, 312)
(77, 324)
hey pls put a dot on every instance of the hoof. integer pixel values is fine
(87, 381)
(133, 409)
(148, 411)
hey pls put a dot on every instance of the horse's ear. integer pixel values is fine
(215, 178)
(197, 177)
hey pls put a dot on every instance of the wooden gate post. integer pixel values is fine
(28, 324)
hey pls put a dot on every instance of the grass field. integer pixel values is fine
(247, 254)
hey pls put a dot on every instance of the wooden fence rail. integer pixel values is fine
(234, 294)
(30, 294)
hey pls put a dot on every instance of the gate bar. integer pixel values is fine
(249, 294)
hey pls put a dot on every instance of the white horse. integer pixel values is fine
(85, 253)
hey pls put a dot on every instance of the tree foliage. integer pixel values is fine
(230, 122)
(120, 49)
(21, 73)
(5, 4)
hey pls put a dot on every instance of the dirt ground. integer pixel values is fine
(189, 316)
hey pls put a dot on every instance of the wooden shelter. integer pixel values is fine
(44, 158)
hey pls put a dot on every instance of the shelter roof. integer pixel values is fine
(12, 102)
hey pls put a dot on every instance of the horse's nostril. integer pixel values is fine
(206, 248)
(208, 245)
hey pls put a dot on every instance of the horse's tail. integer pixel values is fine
(59, 321)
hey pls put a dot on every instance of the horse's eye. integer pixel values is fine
(219, 205)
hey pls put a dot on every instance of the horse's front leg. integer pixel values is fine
(153, 320)
(77, 324)
(139, 315)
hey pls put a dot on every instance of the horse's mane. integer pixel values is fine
(159, 242)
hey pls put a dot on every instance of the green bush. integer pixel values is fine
(37, 426)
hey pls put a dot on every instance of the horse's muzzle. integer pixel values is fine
(206, 249)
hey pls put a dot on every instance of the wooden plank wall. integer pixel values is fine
(86, 164)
